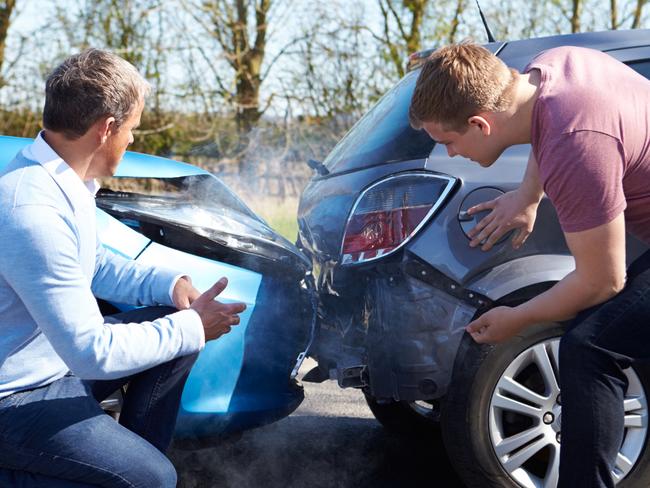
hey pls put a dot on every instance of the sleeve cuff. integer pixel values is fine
(191, 328)
(173, 285)
(162, 287)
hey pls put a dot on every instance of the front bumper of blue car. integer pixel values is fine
(243, 379)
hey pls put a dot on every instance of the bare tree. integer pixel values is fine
(455, 21)
(126, 27)
(6, 9)
(240, 29)
(632, 12)
(402, 22)
(335, 75)
(613, 14)
(137, 30)
(636, 22)
(570, 12)
(406, 16)
(575, 15)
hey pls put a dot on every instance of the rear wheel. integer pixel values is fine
(418, 418)
(501, 421)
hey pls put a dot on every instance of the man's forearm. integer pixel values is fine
(563, 301)
(531, 186)
(122, 280)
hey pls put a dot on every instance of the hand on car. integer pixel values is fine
(496, 325)
(217, 317)
(184, 293)
(509, 211)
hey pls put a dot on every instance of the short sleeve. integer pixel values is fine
(582, 175)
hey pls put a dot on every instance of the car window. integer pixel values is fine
(641, 67)
(383, 135)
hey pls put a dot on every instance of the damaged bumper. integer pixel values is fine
(401, 345)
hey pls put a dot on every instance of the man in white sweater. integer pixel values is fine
(58, 356)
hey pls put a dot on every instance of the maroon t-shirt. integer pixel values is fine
(591, 137)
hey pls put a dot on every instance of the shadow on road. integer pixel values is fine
(317, 451)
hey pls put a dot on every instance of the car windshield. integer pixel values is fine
(383, 135)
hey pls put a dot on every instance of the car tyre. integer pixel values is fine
(466, 423)
(407, 419)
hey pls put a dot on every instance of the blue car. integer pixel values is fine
(157, 210)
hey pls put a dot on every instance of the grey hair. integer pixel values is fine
(88, 86)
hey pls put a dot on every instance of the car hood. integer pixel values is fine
(218, 219)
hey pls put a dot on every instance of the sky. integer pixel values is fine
(33, 16)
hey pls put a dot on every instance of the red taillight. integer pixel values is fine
(389, 213)
(380, 232)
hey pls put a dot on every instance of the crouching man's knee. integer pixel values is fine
(572, 348)
(155, 472)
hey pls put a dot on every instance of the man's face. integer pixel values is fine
(119, 138)
(474, 144)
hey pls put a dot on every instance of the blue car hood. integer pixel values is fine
(133, 165)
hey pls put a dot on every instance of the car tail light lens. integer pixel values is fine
(389, 213)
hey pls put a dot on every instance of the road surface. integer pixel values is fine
(331, 440)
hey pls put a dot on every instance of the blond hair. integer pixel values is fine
(458, 81)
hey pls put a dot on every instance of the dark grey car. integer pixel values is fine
(384, 223)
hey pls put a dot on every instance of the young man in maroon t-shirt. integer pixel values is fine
(587, 117)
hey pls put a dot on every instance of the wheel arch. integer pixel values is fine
(527, 273)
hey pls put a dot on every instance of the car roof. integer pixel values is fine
(133, 165)
(518, 54)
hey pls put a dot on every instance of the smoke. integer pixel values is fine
(272, 159)
(331, 441)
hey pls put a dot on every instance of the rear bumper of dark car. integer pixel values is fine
(398, 338)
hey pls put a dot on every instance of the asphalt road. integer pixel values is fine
(331, 440)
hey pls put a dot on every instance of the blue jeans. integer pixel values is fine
(58, 436)
(600, 343)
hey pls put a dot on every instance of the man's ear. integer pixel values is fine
(482, 123)
(105, 127)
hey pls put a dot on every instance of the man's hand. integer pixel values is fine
(510, 211)
(496, 325)
(184, 293)
(217, 317)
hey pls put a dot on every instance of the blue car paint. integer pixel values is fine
(133, 165)
(10, 147)
(212, 380)
(137, 165)
(118, 237)
(224, 392)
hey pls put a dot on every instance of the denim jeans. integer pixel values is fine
(599, 344)
(58, 436)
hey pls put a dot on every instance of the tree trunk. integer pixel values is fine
(6, 8)
(248, 64)
(636, 23)
(575, 16)
(416, 7)
(460, 6)
(247, 100)
(405, 40)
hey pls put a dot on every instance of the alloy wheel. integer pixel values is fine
(525, 418)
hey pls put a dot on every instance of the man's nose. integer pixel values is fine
(450, 151)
